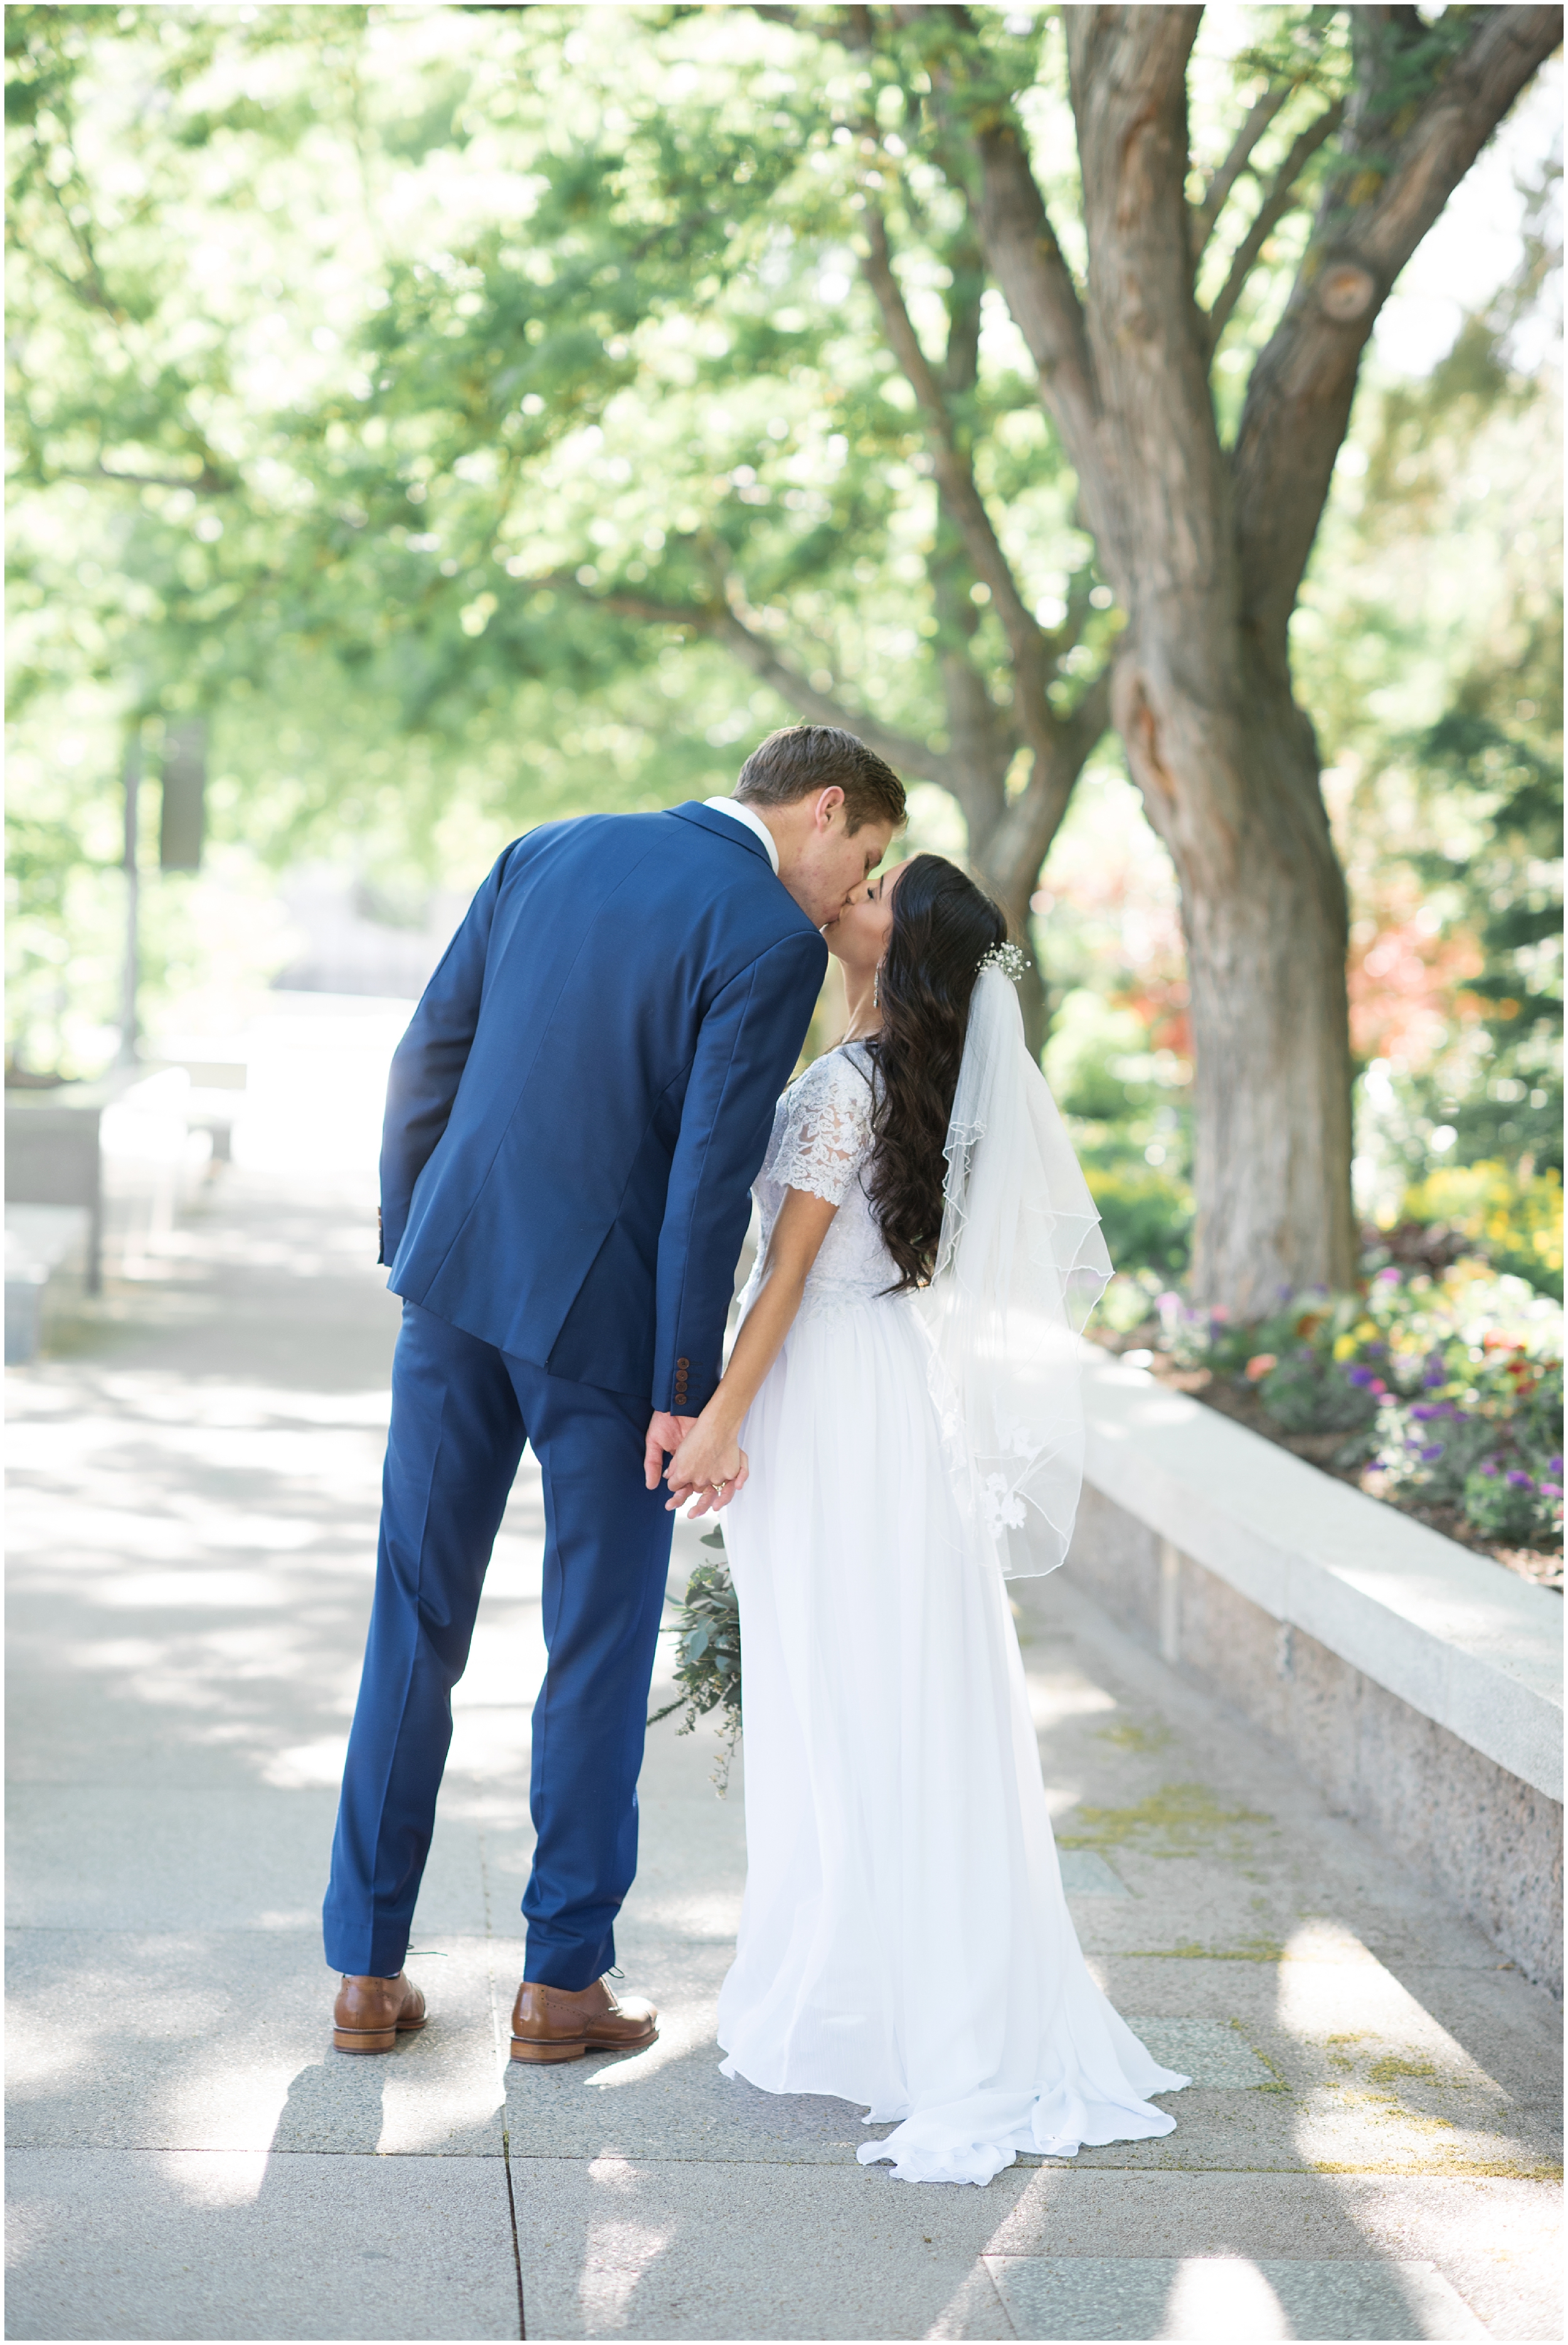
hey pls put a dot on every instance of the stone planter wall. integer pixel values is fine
(1419, 1685)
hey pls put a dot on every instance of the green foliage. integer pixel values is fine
(1520, 1502)
(1125, 1100)
(1510, 891)
(428, 397)
(1437, 689)
(1512, 1220)
(1146, 1215)
(425, 400)
(1309, 1393)
(708, 1672)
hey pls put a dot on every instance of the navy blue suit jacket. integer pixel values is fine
(584, 1094)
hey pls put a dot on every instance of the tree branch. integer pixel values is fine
(1020, 840)
(1032, 652)
(1369, 224)
(1215, 195)
(900, 750)
(205, 483)
(1021, 248)
(1155, 446)
(954, 475)
(722, 624)
(1277, 201)
(1036, 284)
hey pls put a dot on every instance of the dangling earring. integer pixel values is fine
(876, 987)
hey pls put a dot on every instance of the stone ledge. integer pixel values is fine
(1461, 1640)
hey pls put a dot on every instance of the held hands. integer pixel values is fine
(711, 1466)
(665, 1434)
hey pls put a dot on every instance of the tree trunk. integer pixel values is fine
(1207, 552)
(1233, 792)
(1225, 762)
(1012, 885)
(981, 746)
(1007, 856)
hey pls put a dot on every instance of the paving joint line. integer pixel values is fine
(495, 2046)
(516, 2243)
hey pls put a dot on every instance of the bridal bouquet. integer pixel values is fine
(708, 1672)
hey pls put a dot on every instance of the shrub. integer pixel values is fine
(1517, 1223)
(1509, 1502)
(1146, 1214)
(1306, 1392)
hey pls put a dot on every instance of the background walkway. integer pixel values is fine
(1365, 2154)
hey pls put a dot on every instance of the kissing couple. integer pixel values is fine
(597, 1075)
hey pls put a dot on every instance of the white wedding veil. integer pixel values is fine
(1020, 1265)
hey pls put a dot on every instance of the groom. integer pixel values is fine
(574, 1118)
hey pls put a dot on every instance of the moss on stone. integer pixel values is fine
(1179, 1820)
(1392, 2068)
(1188, 1950)
(1129, 1735)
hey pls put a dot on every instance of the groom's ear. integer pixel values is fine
(826, 806)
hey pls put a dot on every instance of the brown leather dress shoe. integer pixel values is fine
(371, 2013)
(551, 2023)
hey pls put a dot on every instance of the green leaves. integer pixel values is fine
(709, 1642)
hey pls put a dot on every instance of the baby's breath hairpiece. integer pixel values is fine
(1008, 959)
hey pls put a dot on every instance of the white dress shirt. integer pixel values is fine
(743, 813)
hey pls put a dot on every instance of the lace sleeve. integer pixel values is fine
(827, 1129)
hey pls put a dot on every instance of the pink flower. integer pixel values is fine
(1258, 1365)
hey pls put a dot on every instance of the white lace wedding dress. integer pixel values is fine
(904, 1942)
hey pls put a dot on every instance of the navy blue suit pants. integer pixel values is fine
(461, 1411)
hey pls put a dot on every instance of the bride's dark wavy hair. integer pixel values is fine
(943, 926)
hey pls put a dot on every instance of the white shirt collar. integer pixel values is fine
(754, 822)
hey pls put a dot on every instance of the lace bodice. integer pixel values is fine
(821, 1141)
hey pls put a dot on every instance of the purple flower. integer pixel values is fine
(1488, 1466)
(1554, 1465)
(1518, 1482)
(1360, 1376)
(1435, 1451)
(1385, 1276)
(1550, 1490)
(1436, 1374)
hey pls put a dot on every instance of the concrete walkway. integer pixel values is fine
(1366, 2152)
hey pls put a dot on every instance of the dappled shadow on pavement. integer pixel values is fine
(194, 1535)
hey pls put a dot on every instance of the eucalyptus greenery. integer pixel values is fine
(708, 1639)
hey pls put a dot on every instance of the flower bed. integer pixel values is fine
(1440, 1393)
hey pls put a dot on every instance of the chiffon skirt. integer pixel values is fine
(904, 1942)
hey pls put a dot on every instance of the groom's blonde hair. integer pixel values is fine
(799, 760)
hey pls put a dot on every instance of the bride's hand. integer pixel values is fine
(708, 1465)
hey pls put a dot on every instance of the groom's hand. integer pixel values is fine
(665, 1434)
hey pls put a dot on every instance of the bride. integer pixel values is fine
(903, 1383)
